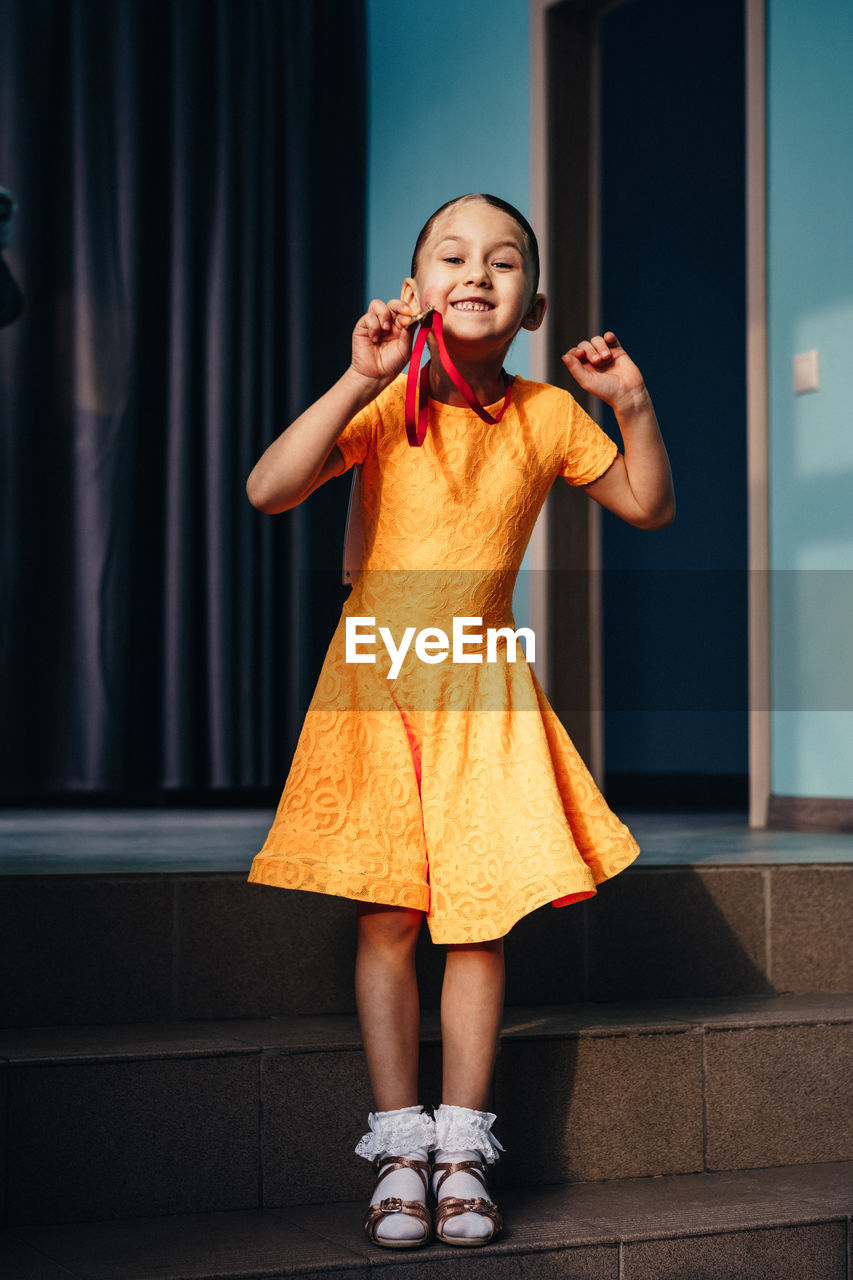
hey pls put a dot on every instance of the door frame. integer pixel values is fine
(540, 553)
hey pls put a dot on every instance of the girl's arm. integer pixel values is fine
(304, 456)
(638, 486)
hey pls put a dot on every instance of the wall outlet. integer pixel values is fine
(806, 372)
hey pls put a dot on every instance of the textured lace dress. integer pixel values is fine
(452, 788)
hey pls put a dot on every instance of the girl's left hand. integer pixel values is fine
(602, 366)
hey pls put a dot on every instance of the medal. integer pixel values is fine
(417, 392)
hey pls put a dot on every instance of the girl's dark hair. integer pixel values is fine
(496, 203)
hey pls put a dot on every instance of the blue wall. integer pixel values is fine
(673, 288)
(449, 91)
(810, 279)
(449, 98)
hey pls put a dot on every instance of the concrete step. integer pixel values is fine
(763, 1224)
(150, 947)
(122, 1121)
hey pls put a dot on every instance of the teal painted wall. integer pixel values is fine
(449, 93)
(810, 287)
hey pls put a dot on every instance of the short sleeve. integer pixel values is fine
(588, 450)
(357, 437)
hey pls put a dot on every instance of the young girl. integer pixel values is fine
(437, 780)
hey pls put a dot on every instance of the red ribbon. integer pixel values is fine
(417, 419)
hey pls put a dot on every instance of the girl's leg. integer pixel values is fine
(471, 1009)
(389, 1014)
(386, 990)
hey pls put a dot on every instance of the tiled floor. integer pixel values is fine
(86, 841)
(83, 841)
(687, 839)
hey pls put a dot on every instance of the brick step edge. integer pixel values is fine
(793, 1221)
(304, 1033)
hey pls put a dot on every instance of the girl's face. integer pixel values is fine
(473, 269)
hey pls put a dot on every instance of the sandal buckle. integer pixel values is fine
(391, 1204)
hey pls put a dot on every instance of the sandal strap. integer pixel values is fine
(388, 1164)
(475, 1167)
(377, 1213)
(453, 1206)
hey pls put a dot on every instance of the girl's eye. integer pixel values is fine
(453, 260)
(509, 266)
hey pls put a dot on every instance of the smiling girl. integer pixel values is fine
(449, 791)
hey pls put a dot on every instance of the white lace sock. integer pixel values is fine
(464, 1134)
(408, 1133)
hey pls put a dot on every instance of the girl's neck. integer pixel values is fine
(485, 378)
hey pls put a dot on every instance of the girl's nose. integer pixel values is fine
(479, 276)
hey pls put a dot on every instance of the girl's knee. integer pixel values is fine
(389, 927)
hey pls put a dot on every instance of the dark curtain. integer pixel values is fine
(189, 244)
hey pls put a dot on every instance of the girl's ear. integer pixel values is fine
(536, 312)
(409, 294)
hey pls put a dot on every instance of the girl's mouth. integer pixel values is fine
(472, 304)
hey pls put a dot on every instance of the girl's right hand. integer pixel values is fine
(381, 341)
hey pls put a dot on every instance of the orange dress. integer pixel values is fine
(452, 787)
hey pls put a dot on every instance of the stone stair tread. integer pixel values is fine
(622, 1228)
(298, 1033)
(226, 1116)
